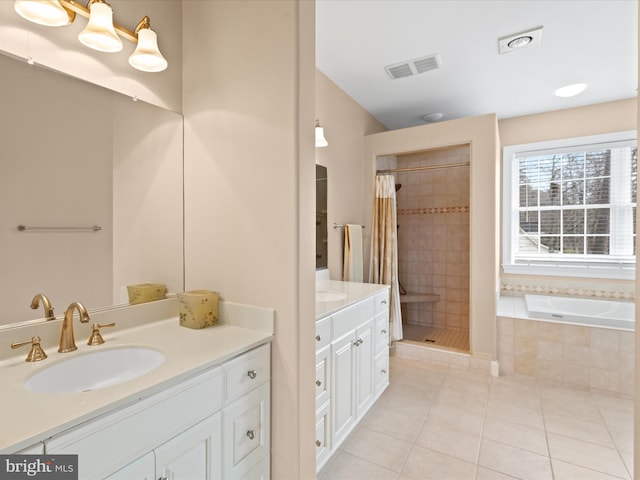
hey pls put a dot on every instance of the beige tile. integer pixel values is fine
(505, 326)
(409, 399)
(628, 461)
(627, 362)
(449, 441)
(348, 467)
(550, 370)
(487, 474)
(425, 464)
(613, 402)
(550, 332)
(626, 342)
(617, 418)
(514, 461)
(588, 455)
(605, 359)
(567, 471)
(605, 339)
(377, 448)
(590, 431)
(577, 355)
(577, 376)
(515, 413)
(603, 379)
(520, 436)
(572, 403)
(524, 328)
(623, 439)
(577, 335)
(454, 418)
(551, 351)
(391, 422)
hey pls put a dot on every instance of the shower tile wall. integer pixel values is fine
(433, 237)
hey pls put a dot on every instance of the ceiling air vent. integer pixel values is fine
(413, 67)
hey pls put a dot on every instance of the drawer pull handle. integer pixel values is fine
(384, 331)
(358, 342)
(251, 434)
(384, 302)
(318, 443)
(318, 338)
(383, 371)
(252, 374)
(318, 382)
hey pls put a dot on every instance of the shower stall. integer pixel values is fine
(433, 244)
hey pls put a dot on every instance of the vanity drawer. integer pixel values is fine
(381, 372)
(381, 332)
(245, 438)
(323, 333)
(382, 301)
(323, 435)
(323, 372)
(351, 317)
(243, 374)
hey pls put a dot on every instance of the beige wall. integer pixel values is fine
(249, 188)
(481, 132)
(345, 124)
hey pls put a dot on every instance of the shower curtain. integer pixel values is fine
(383, 266)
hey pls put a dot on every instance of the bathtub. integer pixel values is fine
(584, 311)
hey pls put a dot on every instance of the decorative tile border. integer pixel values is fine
(510, 289)
(424, 211)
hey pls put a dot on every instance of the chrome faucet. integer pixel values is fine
(46, 304)
(67, 340)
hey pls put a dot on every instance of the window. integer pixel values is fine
(569, 207)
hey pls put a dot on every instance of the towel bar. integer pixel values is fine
(338, 225)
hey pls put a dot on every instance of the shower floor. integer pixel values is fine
(437, 337)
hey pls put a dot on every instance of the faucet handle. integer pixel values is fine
(96, 336)
(36, 353)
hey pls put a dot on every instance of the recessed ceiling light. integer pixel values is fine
(571, 90)
(518, 41)
(433, 117)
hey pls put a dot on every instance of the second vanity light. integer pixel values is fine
(101, 33)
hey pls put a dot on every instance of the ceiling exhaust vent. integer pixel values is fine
(413, 67)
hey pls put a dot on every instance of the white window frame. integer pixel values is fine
(591, 268)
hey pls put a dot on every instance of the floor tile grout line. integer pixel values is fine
(484, 420)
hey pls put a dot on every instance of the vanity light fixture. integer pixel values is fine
(101, 33)
(44, 12)
(320, 140)
(147, 56)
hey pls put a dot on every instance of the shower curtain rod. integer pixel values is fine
(426, 167)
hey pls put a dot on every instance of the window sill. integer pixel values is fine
(578, 271)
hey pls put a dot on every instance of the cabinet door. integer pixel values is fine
(364, 363)
(194, 454)
(142, 469)
(343, 375)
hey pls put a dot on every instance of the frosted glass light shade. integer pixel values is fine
(320, 140)
(44, 12)
(99, 33)
(147, 56)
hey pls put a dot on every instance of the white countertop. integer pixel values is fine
(29, 417)
(354, 292)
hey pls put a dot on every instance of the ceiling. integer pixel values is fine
(592, 42)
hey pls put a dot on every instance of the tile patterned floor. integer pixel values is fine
(457, 340)
(446, 424)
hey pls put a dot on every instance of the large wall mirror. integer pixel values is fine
(74, 156)
(321, 218)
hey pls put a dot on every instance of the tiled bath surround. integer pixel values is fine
(433, 237)
(597, 359)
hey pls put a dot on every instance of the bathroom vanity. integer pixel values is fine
(352, 358)
(204, 412)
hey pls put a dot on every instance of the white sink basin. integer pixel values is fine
(95, 370)
(330, 295)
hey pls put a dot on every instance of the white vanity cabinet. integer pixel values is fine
(211, 426)
(355, 359)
